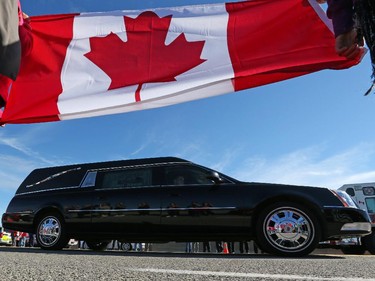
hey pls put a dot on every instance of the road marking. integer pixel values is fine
(247, 275)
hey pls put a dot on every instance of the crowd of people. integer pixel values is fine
(221, 247)
(22, 239)
(243, 247)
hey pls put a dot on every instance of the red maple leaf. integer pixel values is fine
(144, 58)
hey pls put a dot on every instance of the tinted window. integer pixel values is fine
(89, 179)
(179, 175)
(370, 202)
(125, 178)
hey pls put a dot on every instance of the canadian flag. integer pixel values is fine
(92, 64)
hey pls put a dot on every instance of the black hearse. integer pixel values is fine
(171, 199)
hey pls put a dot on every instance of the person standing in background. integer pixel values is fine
(206, 247)
(244, 247)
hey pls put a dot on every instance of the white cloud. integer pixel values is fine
(18, 158)
(13, 170)
(315, 166)
(19, 146)
(310, 166)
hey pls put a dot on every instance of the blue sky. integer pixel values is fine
(312, 130)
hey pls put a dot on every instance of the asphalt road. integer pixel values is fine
(36, 264)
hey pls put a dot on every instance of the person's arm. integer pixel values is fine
(341, 12)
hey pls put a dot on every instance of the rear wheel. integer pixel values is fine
(287, 229)
(51, 232)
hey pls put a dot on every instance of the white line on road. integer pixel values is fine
(247, 275)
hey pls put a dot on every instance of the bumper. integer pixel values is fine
(344, 222)
(359, 228)
(19, 221)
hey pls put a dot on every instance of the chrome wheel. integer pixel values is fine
(50, 233)
(288, 229)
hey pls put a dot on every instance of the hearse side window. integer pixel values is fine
(126, 178)
(183, 175)
(89, 179)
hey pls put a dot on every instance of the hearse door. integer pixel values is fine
(126, 202)
(192, 205)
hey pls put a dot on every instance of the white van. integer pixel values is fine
(364, 195)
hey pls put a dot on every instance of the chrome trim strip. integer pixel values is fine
(45, 190)
(111, 210)
(199, 208)
(126, 187)
(338, 207)
(21, 212)
(154, 209)
(138, 166)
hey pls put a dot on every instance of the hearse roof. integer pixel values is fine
(72, 175)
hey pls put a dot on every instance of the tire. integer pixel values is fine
(51, 232)
(126, 247)
(97, 246)
(287, 229)
(354, 250)
(369, 242)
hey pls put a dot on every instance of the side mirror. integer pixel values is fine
(215, 177)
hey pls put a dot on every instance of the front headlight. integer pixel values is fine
(344, 197)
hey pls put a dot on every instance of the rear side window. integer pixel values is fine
(89, 179)
(186, 175)
(130, 178)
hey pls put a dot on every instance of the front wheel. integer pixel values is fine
(51, 233)
(287, 229)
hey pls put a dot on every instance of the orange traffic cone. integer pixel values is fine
(225, 248)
